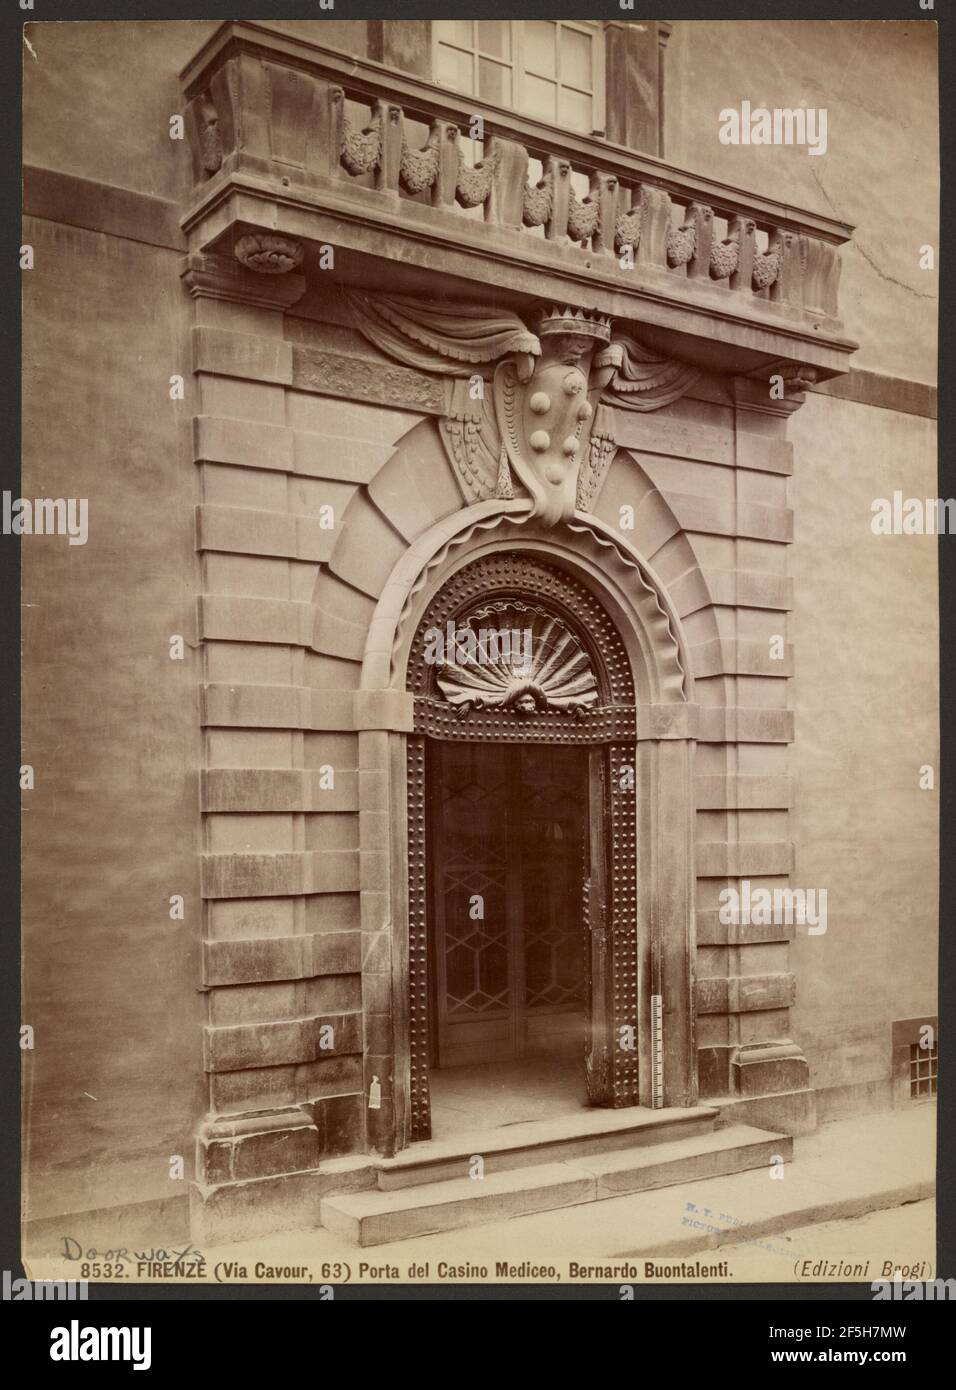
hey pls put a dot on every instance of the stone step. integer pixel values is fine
(374, 1218)
(531, 1143)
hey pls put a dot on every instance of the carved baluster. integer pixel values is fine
(604, 192)
(537, 202)
(766, 269)
(443, 189)
(506, 202)
(655, 220)
(627, 223)
(473, 185)
(323, 134)
(743, 231)
(336, 126)
(681, 242)
(420, 168)
(702, 218)
(291, 96)
(362, 149)
(224, 95)
(205, 137)
(821, 278)
(723, 257)
(392, 124)
(787, 288)
(557, 225)
(253, 136)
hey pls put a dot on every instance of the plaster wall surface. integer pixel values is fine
(878, 84)
(113, 1083)
(865, 695)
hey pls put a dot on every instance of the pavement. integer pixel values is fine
(857, 1195)
(855, 1200)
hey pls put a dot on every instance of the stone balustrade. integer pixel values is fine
(275, 117)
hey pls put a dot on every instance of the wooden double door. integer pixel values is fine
(516, 862)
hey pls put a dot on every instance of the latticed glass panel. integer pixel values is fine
(552, 819)
(477, 970)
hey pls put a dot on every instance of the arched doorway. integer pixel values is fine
(522, 831)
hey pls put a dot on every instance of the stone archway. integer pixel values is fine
(646, 726)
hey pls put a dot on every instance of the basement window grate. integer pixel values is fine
(924, 1067)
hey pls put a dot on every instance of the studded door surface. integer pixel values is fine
(508, 836)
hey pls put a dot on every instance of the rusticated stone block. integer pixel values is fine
(245, 355)
(274, 1044)
(258, 706)
(711, 996)
(282, 958)
(384, 710)
(265, 1206)
(277, 789)
(234, 619)
(758, 1071)
(743, 858)
(258, 1155)
(269, 875)
(764, 453)
(738, 724)
(247, 443)
(747, 993)
(744, 994)
(282, 1151)
(742, 793)
(713, 1071)
(368, 548)
(270, 958)
(339, 1121)
(337, 953)
(335, 636)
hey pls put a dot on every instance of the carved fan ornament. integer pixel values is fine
(517, 650)
(513, 655)
(547, 430)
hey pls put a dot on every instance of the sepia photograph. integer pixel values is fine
(479, 775)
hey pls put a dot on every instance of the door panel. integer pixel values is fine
(508, 846)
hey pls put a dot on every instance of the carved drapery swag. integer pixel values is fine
(642, 381)
(548, 428)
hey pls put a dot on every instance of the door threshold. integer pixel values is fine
(635, 1124)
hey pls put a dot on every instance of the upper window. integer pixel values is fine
(550, 69)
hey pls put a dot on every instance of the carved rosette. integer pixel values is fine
(269, 255)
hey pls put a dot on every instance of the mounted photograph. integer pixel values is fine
(480, 663)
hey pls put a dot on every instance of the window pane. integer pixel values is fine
(538, 97)
(454, 68)
(576, 111)
(539, 36)
(494, 36)
(576, 58)
(494, 82)
(457, 31)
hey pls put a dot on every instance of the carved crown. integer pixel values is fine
(577, 321)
